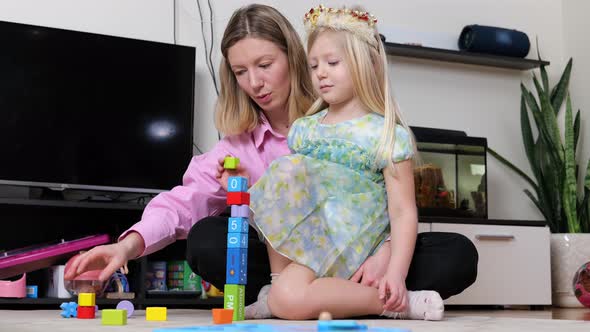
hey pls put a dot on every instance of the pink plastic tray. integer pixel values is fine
(37, 257)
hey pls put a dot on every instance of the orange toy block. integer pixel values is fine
(223, 316)
(238, 198)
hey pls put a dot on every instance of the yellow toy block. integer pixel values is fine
(155, 313)
(231, 162)
(86, 299)
(114, 317)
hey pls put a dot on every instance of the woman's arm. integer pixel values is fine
(171, 214)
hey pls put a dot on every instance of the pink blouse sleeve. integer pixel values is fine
(171, 214)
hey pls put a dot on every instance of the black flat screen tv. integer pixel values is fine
(90, 111)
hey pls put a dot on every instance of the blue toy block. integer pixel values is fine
(237, 225)
(69, 309)
(237, 184)
(32, 291)
(242, 211)
(237, 240)
(236, 266)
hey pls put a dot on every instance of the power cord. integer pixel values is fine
(174, 16)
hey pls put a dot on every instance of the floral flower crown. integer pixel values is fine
(357, 22)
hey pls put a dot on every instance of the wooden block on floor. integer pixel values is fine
(222, 316)
(155, 313)
(87, 299)
(114, 317)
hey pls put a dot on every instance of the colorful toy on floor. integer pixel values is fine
(86, 312)
(334, 326)
(155, 313)
(114, 317)
(222, 316)
(69, 309)
(87, 299)
(86, 305)
(126, 305)
(237, 242)
(581, 284)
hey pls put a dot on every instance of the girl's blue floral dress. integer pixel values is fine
(324, 206)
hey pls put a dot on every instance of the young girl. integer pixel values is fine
(325, 208)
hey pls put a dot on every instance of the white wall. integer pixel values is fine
(482, 101)
(576, 27)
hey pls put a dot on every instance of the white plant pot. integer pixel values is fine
(568, 252)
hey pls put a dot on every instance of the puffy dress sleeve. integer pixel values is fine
(403, 148)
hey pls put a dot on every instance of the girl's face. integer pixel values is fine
(329, 71)
(262, 71)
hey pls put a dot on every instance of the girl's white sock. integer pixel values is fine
(427, 305)
(259, 309)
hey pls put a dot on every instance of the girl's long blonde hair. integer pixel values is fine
(235, 111)
(370, 76)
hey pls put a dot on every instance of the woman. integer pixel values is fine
(265, 86)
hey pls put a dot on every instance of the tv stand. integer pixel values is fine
(40, 220)
(53, 194)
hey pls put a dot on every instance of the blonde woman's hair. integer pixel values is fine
(235, 111)
(368, 68)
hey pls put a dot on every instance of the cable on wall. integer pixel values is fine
(209, 48)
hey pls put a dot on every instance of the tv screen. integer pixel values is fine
(83, 110)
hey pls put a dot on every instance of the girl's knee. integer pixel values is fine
(288, 303)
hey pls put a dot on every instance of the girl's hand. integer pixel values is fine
(223, 174)
(373, 269)
(392, 290)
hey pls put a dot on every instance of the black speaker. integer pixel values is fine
(494, 40)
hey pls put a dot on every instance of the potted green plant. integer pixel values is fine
(555, 191)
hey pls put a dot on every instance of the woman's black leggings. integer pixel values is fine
(443, 262)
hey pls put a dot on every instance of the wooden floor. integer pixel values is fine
(524, 312)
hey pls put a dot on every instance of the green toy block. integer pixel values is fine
(231, 163)
(234, 297)
(114, 317)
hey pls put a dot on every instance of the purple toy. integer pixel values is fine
(242, 211)
(126, 305)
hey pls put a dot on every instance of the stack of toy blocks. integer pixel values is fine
(86, 305)
(237, 241)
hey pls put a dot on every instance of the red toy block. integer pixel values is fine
(86, 312)
(238, 198)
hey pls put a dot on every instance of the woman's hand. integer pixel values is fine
(223, 174)
(392, 290)
(374, 268)
(108, 258)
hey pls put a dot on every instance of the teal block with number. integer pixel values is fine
(237, 225)
(231, 162)
(237, 184)
(234, 297)
(237, 240)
